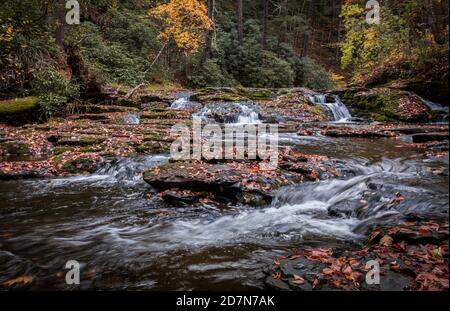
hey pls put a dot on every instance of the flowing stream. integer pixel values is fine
(123, 240)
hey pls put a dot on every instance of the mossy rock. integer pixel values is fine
(61, 150)
(158, 138)
(80, 165)
(156, 106)
(162, 115)
(152, 148)
(20, 110)
(256, 93)
(225, 94)
(79, 141)
(14, 148)
(255, 198)
(128, 103)
(387, 105)
(95, 109)
(93, 117)
(91, 149)
(18, 105)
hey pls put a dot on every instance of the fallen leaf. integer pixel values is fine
(400, 246)
(277, 275)
(336, 283)
(24, 279)
(386, 241)
(327, 271)
(373, 235)
(347, 270)
(437, 254)
(424, 229)
(298, 280)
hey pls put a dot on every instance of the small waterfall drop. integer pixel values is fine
(440, 110)
(337, 109)
(235, 113)
(183, 101)
(132, 119)
(248, 115)
(180, 103)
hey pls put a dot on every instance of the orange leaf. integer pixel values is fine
(298, 280)
(386, 241)
(327, 271)
(24, 279)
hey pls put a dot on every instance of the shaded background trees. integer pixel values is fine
(264, 43)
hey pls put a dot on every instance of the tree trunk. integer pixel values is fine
(307, 33)
(265, 17)
(434, 22)
(60, 15)
(186, 67)
(209, 36)
(240, 15)
(285, 9)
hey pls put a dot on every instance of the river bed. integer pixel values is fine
(124, 241)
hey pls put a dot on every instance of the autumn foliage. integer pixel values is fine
(185, 21)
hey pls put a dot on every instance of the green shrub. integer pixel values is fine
(50, 81)
(53, 90)
(211, 74)
(311, 75)
(112, 60)
(52, 104)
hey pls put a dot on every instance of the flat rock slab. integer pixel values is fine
(244, 181)
(79, 141)
(212, 177)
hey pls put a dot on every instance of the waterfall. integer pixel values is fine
(337, 109)
(183, 101)
(179, 104)
(439, 109)
(248, 115)
(237, 113)
(132, 119)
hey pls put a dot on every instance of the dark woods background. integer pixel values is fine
(265, 43)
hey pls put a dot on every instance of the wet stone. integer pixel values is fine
(276, 284)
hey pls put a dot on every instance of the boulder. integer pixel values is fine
(14, 148)
(19, 110)
(386, 104)
(240, 181)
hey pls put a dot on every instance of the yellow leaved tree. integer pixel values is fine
(185, 22)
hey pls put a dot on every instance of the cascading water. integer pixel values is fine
(237, 113)
(248, 114)
(343, 209)
(132, 119)
(439, 109)
(180, 103)
(123, 171)
(337, 109)
(183, 101)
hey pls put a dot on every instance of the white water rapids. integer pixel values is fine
(338, 110)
